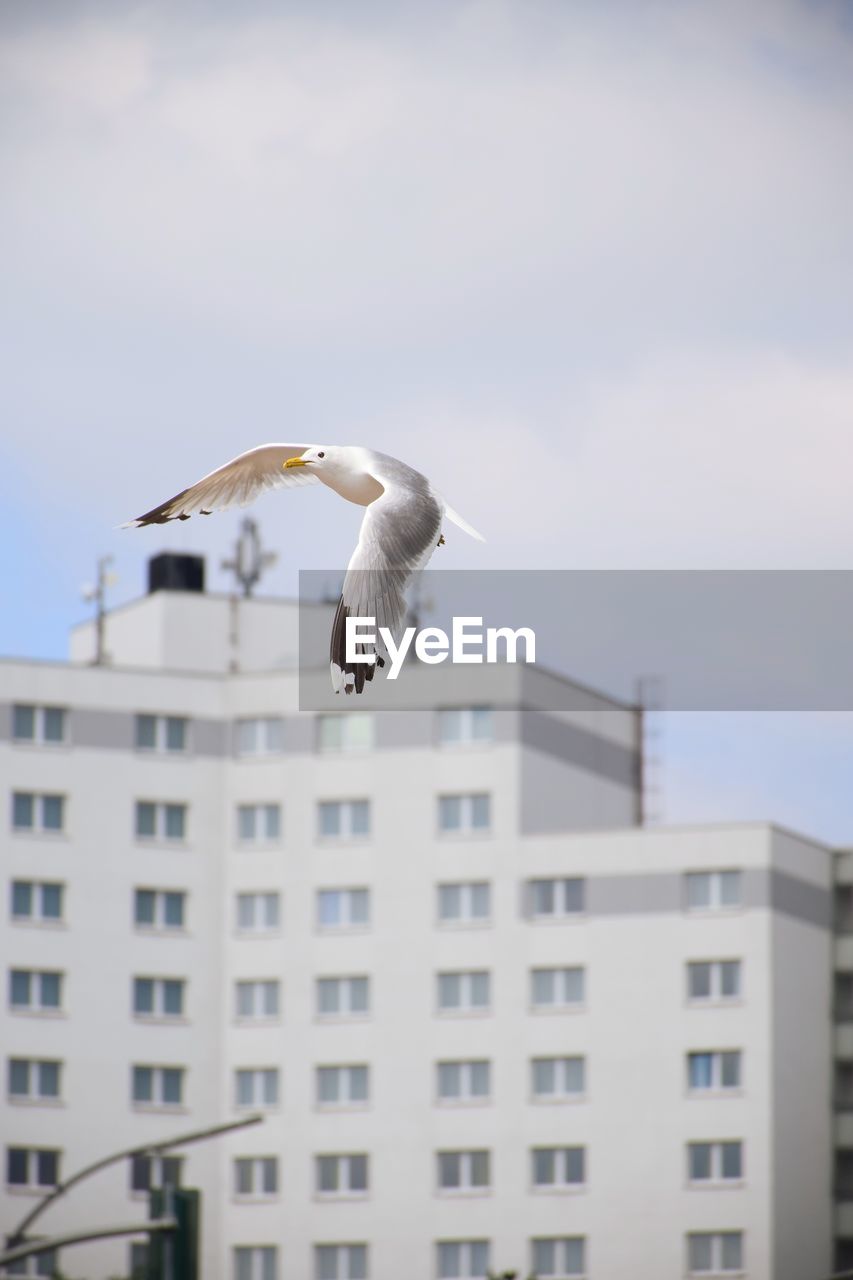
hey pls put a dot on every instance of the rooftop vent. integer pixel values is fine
(173, 572)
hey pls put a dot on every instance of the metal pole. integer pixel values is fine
(80, 1237)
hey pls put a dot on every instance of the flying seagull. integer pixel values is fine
(400, 530)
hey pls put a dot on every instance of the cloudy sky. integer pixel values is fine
(589, 266)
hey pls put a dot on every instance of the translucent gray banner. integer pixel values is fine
(713, 640)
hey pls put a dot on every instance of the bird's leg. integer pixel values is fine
(440, 542)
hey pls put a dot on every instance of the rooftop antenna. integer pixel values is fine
(249, 560)
(650, 700)
(98, 593)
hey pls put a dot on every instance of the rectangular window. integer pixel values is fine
(713, 980)
(154, 1171)
(468, 1081)
(257, 1087)
(714, 1252)
(45, 725)
(258, 823)
(556, 1168)
(713, 890)
(258, 912)
(256, 1176)
(558, 1258)
(465, 726)
(36, 990)
(160, 733)
(155, 821)
(36, 1080)
(465, 814)
(343, 819)
(39, 901)
(557, 988)
(343, 908)
(340, 1262)
(468, 902)
(558, 1079)
(556, 899)
(256, 1262)
(346, 1086)
(158, 997)
(257, 1000)
(341, 1175)
(259, 737)
(713, 1162)
(460, 1171)
(715, 1070)
(350, 732)
(37, 812)
(343, 997)
(468, 991)
(462, 1259)
(157, 1086)
(158, 908)
(32, 1167)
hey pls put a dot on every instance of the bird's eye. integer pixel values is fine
(321, 454)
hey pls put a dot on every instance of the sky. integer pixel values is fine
(588, 266)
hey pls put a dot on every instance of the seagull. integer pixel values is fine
(400, 530)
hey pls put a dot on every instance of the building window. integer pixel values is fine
(340, 1262)
(158, 997)
(156, 821)
(39, 901)
(560, 1258)
(158, 908)
(464, 992)
(713, 1162)
(714, 1071)
(346, 1086)
(32, 1167)
(713, 890)
(259, 737)
(161, 733)
(460, 1171)
(714, 1253)
(462, 1259)
(464, 1081)
(558, 1079)
(34, 1080)
(713, 980)
(343, 997)
(556, 899)
(350, 732)
(343, 819)
(257, 1087)
(344, 1175)
(465, 903)
(157, 1086)
(258, 912)
(138, 1260)
(256, 1176)
(257, 1000)
(343, 908)
(465, 814)
(557, 988)
(36, 990)
(465, 726)
(154, 1171)
(44, 725)
(258, 822)
(43, 813)
(256, 1262)
(558, 1168)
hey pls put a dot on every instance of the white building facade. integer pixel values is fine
(490, 1022)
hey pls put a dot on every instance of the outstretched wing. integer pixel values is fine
(236, 484)
(398, 535)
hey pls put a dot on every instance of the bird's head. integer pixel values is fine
(319, 457)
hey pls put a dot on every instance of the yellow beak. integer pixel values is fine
(295, 462)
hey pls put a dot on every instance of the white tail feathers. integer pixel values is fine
(463, 524)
